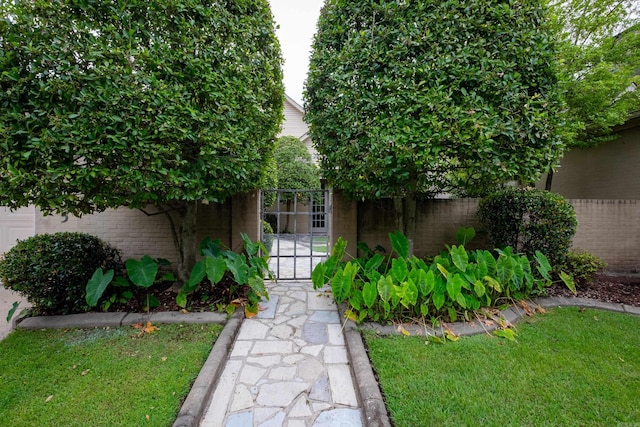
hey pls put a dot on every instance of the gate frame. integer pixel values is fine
(309, 215)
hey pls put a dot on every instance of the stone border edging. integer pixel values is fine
(372, 403)
(511, 315)
(98, 320)
(195, 404)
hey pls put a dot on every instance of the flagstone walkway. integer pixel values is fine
(288, 366)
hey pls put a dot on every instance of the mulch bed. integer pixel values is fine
(614, 288)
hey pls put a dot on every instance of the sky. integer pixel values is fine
(297, 20)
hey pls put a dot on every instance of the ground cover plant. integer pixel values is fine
(453, 285)
(100, 377)
(569, 366)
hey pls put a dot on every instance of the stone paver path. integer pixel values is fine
(288, 367)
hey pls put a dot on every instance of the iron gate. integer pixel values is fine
(295, 230)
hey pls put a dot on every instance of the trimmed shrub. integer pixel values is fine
(52, 270)
(529, 220)
(582, 266)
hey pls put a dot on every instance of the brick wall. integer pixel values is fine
(609, 229)
(137, 234)
(608, 171)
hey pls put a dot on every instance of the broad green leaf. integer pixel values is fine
(386, 309)
(215, 268)
(250, 247)
(211, 247)
(438, 300)
(568, 281)
(442, 270)
(369, 294)
(493, 283)
(399, 270)
(318, 276)
(343, 281)
(427, 282)
(459, 257)
(424, 310)
(479, 288)
(356, 300)
(464, 235)
(181, 299)
(399, 243)
(490, 261)
(454, 286)
(96, 286)
(544, 268)
(12, 310)
(339, 249)
(142, 273)
(461, 300)
(452, 314)
(373, 263)
(384, 288)
(256, 284)
(504, 269)
(197, 275)
(409, 294)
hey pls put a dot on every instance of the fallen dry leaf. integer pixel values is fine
(48, 399)
(85, 372)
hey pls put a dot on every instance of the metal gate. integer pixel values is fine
(295, 230)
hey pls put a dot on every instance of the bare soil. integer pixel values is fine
(607, 287)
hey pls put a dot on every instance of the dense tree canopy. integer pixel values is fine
(410, 99)
(295, 167)
(130, 103)
(599, 65)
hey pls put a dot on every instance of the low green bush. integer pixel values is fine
(583, 266)
(52, 270)
(529, 220)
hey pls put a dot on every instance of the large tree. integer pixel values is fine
(411, 99)
(136, 103)
(295, 170)
(598, 68)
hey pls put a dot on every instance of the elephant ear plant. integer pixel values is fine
(454, 285)
(141, 275)
(247, 270)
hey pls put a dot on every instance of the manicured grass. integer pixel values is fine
(100, 377)
(569, 367)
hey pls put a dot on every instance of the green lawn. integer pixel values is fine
(100, 377)
(569, 367)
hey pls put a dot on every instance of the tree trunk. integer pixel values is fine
(288, 215)
(547, 185)
(183, 224)
(405, 218)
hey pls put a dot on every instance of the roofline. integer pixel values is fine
(294, 103)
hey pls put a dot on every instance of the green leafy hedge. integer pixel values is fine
(52, 270)
(456, 283)
(529, 220)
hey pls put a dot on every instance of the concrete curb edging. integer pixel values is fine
(374, 410)
(196, 402)
(510, 315)
(99, 320)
